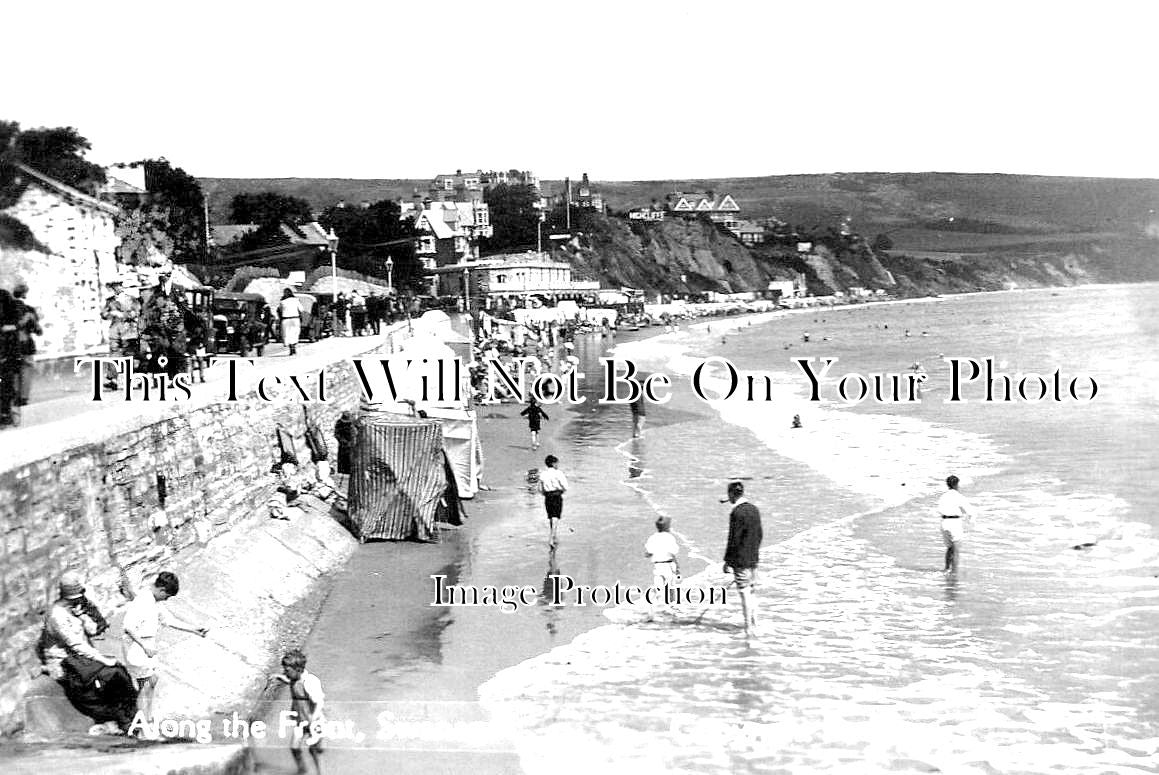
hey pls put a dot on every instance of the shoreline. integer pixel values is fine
(395, 652)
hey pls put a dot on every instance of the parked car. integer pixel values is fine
(199, 326)
(237, 322)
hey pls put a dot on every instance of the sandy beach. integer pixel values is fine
(380, 647)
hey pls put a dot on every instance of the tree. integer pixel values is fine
(269, 207)
(59, 154)
(367, 235)
(170, 217)
(514, 217)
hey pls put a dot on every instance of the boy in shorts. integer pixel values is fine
(306, 699)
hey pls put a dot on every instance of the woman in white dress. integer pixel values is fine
(290, 313)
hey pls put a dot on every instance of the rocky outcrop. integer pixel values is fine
(673, 256)
(691, 256)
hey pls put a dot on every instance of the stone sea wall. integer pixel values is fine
(185, 492)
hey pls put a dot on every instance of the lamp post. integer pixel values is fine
(390, 285)
(332, 246)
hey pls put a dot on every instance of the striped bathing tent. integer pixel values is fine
(400, 481)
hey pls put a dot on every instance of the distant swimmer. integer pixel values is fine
(907, 332)
(954, 509)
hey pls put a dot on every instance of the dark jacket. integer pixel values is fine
(744, 537)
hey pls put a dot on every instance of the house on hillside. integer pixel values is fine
(473, 186)
(718, 209)
(750, 232)
(447, 232)
(63, 244)
(587, 197)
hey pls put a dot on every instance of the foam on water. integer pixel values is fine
(868, 661)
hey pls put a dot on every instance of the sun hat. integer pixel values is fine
(71, 585)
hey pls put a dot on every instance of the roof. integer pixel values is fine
(114, 185)
(428, 220)
(310, 233)
(228, 232)
(78, 197)
(435, 217)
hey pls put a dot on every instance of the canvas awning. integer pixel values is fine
(399, 481)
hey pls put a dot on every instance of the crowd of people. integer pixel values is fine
(359, 315)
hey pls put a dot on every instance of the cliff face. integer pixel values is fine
(656, 256)
(678, 256)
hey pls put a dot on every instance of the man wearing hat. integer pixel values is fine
(122, 311)
(94, 683)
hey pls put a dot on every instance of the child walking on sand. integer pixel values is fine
(534, 413)
(306, 698)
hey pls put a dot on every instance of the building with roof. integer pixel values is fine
(750, 232)
(473, 186)
(719, 209)
(512, 279)
(63, 244)
(587, 197)
(448, 232)
(291, 247)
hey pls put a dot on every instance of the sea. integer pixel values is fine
(1040, 655)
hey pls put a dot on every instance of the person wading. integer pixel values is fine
(553, 484)
(744, 551)
(954, 509)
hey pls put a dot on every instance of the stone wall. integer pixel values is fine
(66, 280)
(139, 500)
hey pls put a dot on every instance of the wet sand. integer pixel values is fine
(393, 664)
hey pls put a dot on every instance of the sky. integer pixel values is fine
(625, 90)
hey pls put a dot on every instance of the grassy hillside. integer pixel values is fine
(997, 228)
(875, 202)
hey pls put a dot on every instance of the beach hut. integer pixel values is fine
(401, 482)
(461, 446)
(458, 422)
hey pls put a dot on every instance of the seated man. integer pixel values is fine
(94, 683)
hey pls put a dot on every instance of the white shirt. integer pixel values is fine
(144, 617)
(662, 546)
(552, 480)
(290, 308)
(953, 504)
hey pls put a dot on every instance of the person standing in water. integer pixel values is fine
(953, 508)
(743, 551)
(661, 548)
(553, 484)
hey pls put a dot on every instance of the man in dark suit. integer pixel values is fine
(743, 552)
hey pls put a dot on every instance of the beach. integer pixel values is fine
(380, 647)
(1037, 657)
